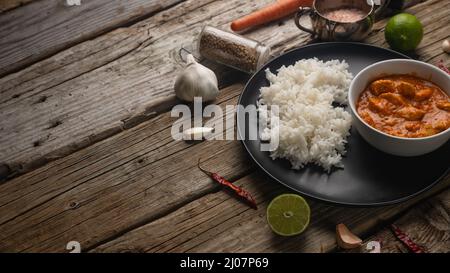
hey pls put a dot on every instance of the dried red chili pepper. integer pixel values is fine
(238, 190)
(443, 67)
(410, 244)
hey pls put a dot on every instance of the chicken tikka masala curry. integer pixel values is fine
(405, 106)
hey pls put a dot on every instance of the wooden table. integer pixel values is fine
(85, 146)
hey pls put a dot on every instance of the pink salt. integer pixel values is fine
(345, 15)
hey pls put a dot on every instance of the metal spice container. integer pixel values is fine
(232, 50)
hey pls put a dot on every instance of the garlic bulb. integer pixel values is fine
(196, 80)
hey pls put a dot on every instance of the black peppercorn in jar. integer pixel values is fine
(232, 50)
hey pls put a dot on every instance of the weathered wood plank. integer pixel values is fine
(132, 179)
(45, 27)
(51, 115)
(6, 5)
(219, 223)
(427, 224)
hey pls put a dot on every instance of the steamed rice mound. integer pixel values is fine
(310, 129)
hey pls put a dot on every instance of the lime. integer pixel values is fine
(288, 214)
(403, 32)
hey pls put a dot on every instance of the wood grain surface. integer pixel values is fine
(218, 223)
(41, 28)
(6, 5)
(427, 224)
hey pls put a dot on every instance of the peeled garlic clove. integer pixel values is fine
(374, 247)
(196, 80)
(346, 239)
(197, 133)
(446, 46)
(69, 3)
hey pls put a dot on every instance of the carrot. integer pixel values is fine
(269, 13)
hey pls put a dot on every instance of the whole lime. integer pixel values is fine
(404, 32)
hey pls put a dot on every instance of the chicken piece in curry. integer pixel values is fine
(405, 106)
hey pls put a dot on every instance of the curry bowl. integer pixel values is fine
(389, 143)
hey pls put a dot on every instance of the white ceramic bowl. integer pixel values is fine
(400, 146)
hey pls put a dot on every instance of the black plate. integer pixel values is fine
(370, 177)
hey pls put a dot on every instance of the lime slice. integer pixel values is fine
(288, 214)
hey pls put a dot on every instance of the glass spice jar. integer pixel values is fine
(232, 50)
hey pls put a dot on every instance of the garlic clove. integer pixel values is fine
(446, 46)
(190, 59)
(197, 133)
(374, 247)
(185, 86)
(69, 3)
(346, 239)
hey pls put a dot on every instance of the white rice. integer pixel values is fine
(310, 128)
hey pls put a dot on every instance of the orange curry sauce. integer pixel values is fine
(405, 106)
